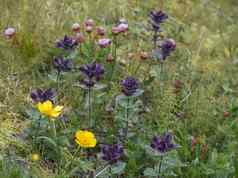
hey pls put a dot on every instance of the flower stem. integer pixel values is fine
(160, 164)
(161, 77)
(100, 172)
(114, 59)
(90, 108)
(54, 128)
(155, 36)
(127, 116)
(58, 80)
(73, 157)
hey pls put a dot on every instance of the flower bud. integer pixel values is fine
(89, 22)
(76, 27)
(109, 58)
(9, 32)
(89, 29)
(103, 43)
(144, 55)
(79, 38)
(101, 31)
(226, 114)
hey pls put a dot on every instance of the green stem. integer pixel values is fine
(54, 128)
(114, 60)
(161, 77)
(160, 164)
(155, 39)
(127, 116)
(58, 80)
(100, 172)
(90, 108)
(73, 157)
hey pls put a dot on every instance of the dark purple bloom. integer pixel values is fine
(39, 95)
(163, 143)
(67, 43)
(167, 47)
(129, 86)
(62, 65)
(156, 18)
(92, 73)
(112, 152)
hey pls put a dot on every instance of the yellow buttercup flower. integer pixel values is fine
(47, 108)
(35, 157)
(85, 139)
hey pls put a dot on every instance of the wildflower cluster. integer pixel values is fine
(74, 59)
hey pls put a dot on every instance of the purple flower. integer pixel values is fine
(163, 143)
(112, 152)
(104, 42)
(67, 43)
(129, 86)
(167, 47)
(62, 65)
(40, 95)
(9, 32)
(156, 18)
(92, 73)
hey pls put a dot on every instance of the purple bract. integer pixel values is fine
(40, 95)
(67, 43)
(163, 143)
(112, 152)
(156, 18)
(92, 73)
(62, 65)
(129, 86)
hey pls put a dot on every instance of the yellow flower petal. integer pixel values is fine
(48, 109)
(85, 139)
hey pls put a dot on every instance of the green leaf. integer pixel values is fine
(150, 172)
(118, 168)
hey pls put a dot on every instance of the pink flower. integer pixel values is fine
(79, 38)
(121, 27)
(104, 42)
(89, 22)
(101, 31)
(9, 32)
(76, 27)
(89, 29)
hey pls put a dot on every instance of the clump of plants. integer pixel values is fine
(82, 142)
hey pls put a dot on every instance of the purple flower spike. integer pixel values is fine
(62, 65)
(92, 73)
(163, 143)
(129, 86)
(156, 18)
(112, 153)
(67, 43)
(167, 47)
(39, 95)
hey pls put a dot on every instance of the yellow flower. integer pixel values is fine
(35, 157)
(49, 110)
(85, 139)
